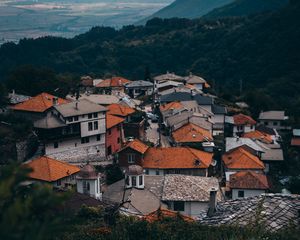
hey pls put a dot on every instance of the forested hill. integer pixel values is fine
(261, 52)
(187, 9)
(246, 7)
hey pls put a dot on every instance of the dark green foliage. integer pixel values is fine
(246, 7)
(27, 212)
(113, 173)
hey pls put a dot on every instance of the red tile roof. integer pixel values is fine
(248, 180)
(39, 103)
(191, 133)
(112, 121)
(162, 213)
(242, 119)
(113, 82)
(176, 157)
(171, 105)
(119, 110)
(136, 145)
(263, 137)
(239, 158)
(295, 142)
(49, 170)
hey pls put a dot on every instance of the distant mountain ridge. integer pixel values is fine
(187, 9)
(246, 7)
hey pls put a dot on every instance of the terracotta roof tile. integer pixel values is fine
(242, 119)
(191, 133)
(239, 158)
(112, 120)
(171, 105)
(49, 170)
(119, 110)
(295, 142)
(136, 145)
(176, 157)
(113, 82)
(248, 180)
(162, 213)
(39, 103)
(257, 135)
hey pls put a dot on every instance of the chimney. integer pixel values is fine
(237, 138)
(54, 101)
(76, 105)
(13, 92)
(212, 202)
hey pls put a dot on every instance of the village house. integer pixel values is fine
(132, 153)
(242, 124)
(197, 81)
(37, 107)
(260, 136)
(48, 170)
(110, 84)
(177, 160)
(88, 182)
(190, 195)
(241, 159)
(295, 142)
(140, 195)
(218, 118)
(194, 136)
(134, 124)
(274, 119)
(139, 88)
(14, 98)
(114, 134)
(162, 86)
(168, 77)
(74, 132)
(247, 184)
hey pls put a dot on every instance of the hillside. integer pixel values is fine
(262, 52)
(187, 9)
(246, 7)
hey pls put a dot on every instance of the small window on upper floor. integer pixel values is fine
(179, 206)
(157, 172)
(58, 182)
(70, 119)
(95, 125)
(90, 126)
(241, 194)
(90, 116)
(98, 137)
(55, 144)
(95, 115)
(76, 118)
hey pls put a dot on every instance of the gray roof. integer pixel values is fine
(84, 107)
(186, 96)
(193, 79)
(272, 115)
(17, 98)
(296, 132)
(233, 142)
(168, 76)
(217, 109)
(188, 188)
(272, 211)
(104, 99)
(49, 122)
(168, 83)
(139, 83)
(141, 201)
(272, 152)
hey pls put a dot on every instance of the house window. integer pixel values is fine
(95, 115)
(131, 157)
(266, 123)
(95, 125)
(109, 131)
(133, 180)
(147, 171)
(241, 194)
(90, 126)
(70, 119)
(118, 140)
(86, 186)
(109, 150)
(179, 206)
(157, 172)
(177, 171)
(85, 140)
(275, 123)
(76, 118)
(58, 182)
(98, 137)
(55, 144)
(140, 180)
(90, 116)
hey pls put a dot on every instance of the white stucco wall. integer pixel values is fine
(95, 187)
(247, 192)
(191, 209)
